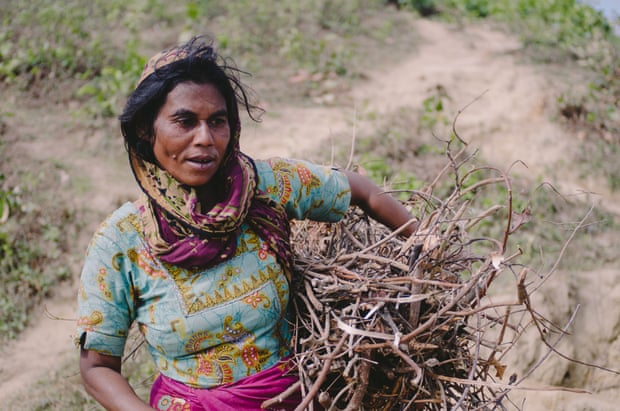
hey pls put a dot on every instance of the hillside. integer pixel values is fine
(511, 117)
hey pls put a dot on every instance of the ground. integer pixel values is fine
(510, 121)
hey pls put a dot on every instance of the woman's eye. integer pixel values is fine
(185, 122)
(218, 122)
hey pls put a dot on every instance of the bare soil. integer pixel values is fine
(510, 121)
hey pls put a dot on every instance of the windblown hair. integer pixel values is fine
(195, 61)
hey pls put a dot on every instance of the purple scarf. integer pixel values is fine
(180, 234)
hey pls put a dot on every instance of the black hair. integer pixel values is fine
(198, 63)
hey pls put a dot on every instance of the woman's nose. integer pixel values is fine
(203, 135)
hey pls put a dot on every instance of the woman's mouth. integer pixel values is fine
(202, 162)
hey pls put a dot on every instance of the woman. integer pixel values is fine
(202, 260)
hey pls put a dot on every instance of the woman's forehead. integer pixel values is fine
(195, 97)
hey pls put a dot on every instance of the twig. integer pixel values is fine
(280, 398)
(322, 375)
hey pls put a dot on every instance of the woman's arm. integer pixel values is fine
(378, 204)
(102, 379)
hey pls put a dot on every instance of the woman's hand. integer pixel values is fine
(102, 379)
(380, 205)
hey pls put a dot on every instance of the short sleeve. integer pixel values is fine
(105, 303)
(306, 190)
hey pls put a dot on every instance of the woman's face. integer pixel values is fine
(192, 133)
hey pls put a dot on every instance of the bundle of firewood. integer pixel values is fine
(385, 322)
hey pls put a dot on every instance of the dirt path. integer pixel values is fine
(509, 122)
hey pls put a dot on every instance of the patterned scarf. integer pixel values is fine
(180, 234)
(176, 228)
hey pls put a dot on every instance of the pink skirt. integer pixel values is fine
(246, 394)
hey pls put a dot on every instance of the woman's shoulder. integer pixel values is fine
(127, 211)
(124, 222)
(276, 173)
(300, 171)
(307, 190)
(278, 166)
(269, 165)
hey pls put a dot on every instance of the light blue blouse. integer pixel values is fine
(203, 328)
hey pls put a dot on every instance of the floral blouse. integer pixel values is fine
(203, 328)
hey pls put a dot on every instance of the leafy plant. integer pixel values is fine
(6, 201)
(31, 241)
(424, 7)
(317, 36)
(433, 114)
(43, 39)
(115, 82)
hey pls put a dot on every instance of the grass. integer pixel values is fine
(34, 234)
(92, 53)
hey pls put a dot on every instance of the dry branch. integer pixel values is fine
(386, 323)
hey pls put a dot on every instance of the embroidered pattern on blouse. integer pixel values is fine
(204, 328)
(226, 289)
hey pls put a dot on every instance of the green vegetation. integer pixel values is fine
(45, 41)
(34, 227)
(58, 50)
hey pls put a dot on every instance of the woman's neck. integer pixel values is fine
(208, 196)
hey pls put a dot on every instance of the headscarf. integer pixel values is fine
(179, 232)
